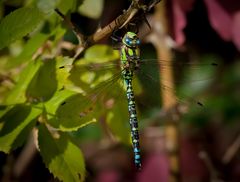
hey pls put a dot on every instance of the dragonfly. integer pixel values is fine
(130, 57)
(125, 71)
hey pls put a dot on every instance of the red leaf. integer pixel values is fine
(179, 23)
(155, 168)
(220, 20)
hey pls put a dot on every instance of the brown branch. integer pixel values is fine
(159, 38)
(121, 21)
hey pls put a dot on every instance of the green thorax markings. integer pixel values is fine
(130, 54)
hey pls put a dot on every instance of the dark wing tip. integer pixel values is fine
(61, 67)
(214, 64)
(200, 104)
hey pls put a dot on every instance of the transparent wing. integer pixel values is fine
(95, 91)
(98, 88)
(187, 70)
(188, 82)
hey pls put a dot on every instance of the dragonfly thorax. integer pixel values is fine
(130, 58)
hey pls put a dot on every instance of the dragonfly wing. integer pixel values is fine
(87, 106)
(195, 75)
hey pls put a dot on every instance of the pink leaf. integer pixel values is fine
(236, 30)
(186, 5)
(220, 20)
(155, 168)
(108, 176)
(179, 22)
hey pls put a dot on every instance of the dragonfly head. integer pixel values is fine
(131, 39)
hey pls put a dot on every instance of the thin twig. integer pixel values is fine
(214, 175)
(121, 21)
(25, 157)
(231, 151)
(72, 26)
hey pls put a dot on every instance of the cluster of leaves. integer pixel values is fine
(43, 96)
(38, 94)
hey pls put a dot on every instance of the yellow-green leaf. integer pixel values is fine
(75, 112)
(44, 83)
(18, 24)
(61, 156)
(17, 95)
(91, 8)
(14, 123)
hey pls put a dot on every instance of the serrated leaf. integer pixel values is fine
(17, 95)
(18, 24)
(44, 83)
(75, 112)
(61, 156)
(91, 8)
(88, 133)
(14, 123)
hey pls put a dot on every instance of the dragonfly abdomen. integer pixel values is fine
(133, 123)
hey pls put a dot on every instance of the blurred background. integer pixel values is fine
(180, 140)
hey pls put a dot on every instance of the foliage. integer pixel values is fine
(21, 21)
(36, 94)
(44, 88)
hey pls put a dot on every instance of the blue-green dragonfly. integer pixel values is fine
(124, 71)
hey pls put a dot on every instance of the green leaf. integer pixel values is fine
(18, 24)
(62, 157)
(16, 123)
(46, 6)
(58, 98)
(29, 49)
(88, 133)
(91, 8)
(100, 53)
(91, 70)
(17, 95)
(63, 74)
(65, 6)
(75, 112)
(118, 119)
(4, 109)
(44, 83)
